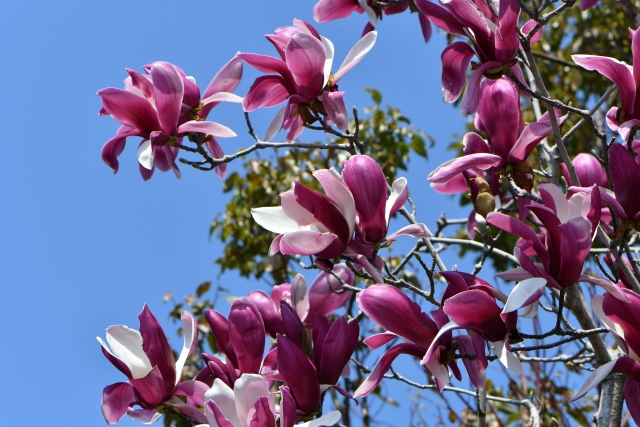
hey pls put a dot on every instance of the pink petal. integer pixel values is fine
(336, 109)
(306, 242)
(156, 347)
(625, 174)
(227, 79)
(513, 226)
(116, 398)
(440, 17)
(210, 128)
(247, 333)
(455, 62)
(476, 310)
(500, 112)
(323, 292)
(451, 168)
(305, 59)
(355, 55)
(471, 97)
(130, 109)
(632, 397)
(328, 10)
(626, 315)
(269, 64)
(506, 38)
(299, 374)
(168, 91)
(266, 91)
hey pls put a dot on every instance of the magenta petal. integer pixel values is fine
(451, 168)
(227, 79)
(516, 227)
(587, 4)
(383, 365)
(506, 38)
(478, 311)
(325, 293)
(324, 211)
(131, 109)
(336, 109)
(625, 174)
(298, 374)
(369, 187)
(168, 90)
(500, 112)
(194, 390)
(632, 395)
(215, 415)
(269, 64)
(209, 128)
(576, 243)
(305, 58)
(156, 347)
(246, 331)
(306, 242)
(425, 26)
(293, 327)
(614, 70)
(456, 184)
(328, 10)
(216, 152)
(528, 26)
(140, 83)
(145, 416)
(440, 17)
(468, 15)
(265, 90)
(378, 340)
(474, 143)
(220, 329)
(116, 398)
(150, 390)
(112, 149)
(272, 320)
(627, 315)
(455, 62)
(390, 308)
(262, 417)
(339, 343)
(529, 138)
(475, 370)
(471, 97)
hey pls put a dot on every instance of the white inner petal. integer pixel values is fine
(126, 345)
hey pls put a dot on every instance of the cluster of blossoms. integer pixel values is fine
(254, 382)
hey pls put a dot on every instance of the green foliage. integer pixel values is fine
(388, 137)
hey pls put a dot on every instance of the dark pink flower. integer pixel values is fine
(154, 376)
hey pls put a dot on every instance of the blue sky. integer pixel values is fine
(82, 249)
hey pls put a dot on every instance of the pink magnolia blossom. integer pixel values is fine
(589, 170)
(625, 118)
(303, 78)
(250, 403)
(154, 376)
(492, 28)
(510, 142)
(324, 296)
(163, 107)
(570, 226)
(623, 321)
(328, 10)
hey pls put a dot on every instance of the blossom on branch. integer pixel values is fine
(154, 376)
(163, 107)
(302, 78)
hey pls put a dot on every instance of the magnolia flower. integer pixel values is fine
(390, 308)
(509, 143)
(589, 170)
(570, 227)
(328, 10)
(250, 404)
(623, 321)
(627, 117)
(492, 28)
(303, 78)
(324, 297)
(163, 107)
(154, 376)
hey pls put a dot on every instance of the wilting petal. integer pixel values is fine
(471, 97)
(616, 71)
(227, 79)
(383, 365)
(190, 336)
(455, 62)
(246, 332)
(393, 310)
(131, 109)
(168, 90)
(299, 374)
(476, 310)
(355, 55)
(126, 346)
(524, 293)
(116, 398)
(440, 17)
(625, 174)
(451, 168)
(336, 109)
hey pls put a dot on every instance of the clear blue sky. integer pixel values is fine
(82, 249)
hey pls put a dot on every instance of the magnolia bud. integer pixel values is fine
(484, 203)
